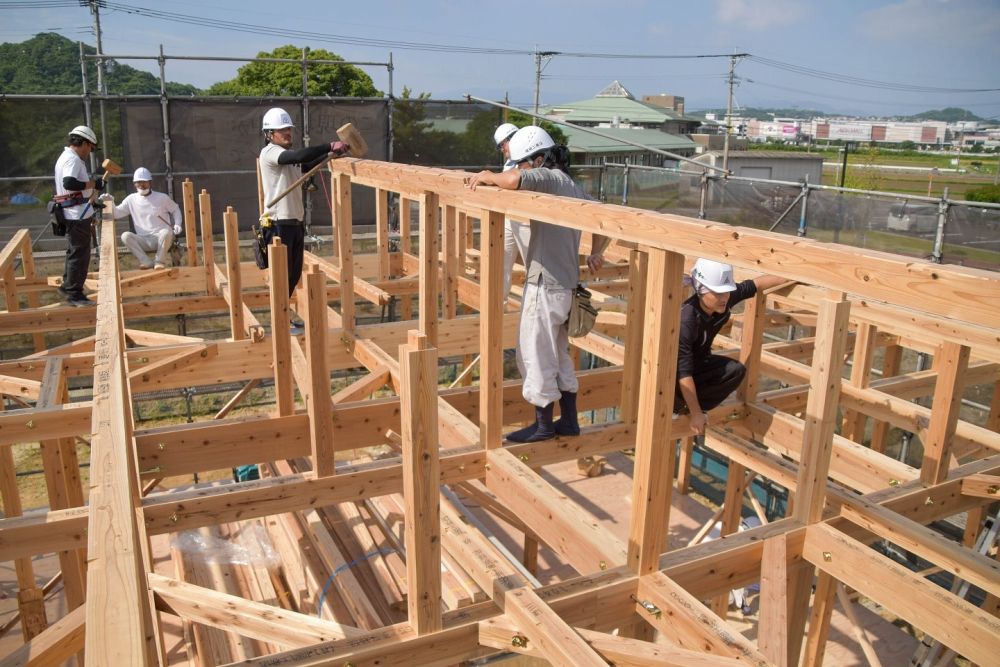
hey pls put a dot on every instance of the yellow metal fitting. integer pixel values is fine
(893, 482)
(992, 489)
(143, 360)
(604, 565)
(161, 446)
(648, 606)
(827, 557)
(31, 423)
(487, 467)
(149, 471)
(519, 641)
(174, 518)
(929, 501)
(523, 458)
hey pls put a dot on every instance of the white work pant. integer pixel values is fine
(515, 242)
(543, 344)
(160, 241)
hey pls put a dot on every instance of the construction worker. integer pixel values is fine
(516, 235)
(280, 166)
(156, 219)
(704, 379)
(553, 271)
(74, 188)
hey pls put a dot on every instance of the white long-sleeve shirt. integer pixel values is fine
(150, 213)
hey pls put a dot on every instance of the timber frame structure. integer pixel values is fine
(808, 435)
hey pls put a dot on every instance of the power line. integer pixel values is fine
(857, 81)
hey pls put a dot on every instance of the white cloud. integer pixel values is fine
(759, 14)
(932, 19)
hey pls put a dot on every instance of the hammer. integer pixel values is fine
(346, 133)
(110, 168)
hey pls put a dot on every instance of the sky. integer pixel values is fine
(843, 57)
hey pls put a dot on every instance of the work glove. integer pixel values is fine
(177, 230)
(99, 183)
(105, 197)
(339, 148)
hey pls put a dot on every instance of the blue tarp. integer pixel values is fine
(22, 198)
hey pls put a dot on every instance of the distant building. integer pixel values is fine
(927, 133)
(615, 106)
(589, 149)
(672, 102)
(769, 165)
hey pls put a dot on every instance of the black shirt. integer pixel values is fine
(698, 328)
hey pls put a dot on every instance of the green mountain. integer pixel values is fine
(949, 115)
(50, 63)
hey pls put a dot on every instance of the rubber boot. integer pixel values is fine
(567, 423)
(542, 429)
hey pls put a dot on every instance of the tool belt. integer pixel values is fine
(69, 199)
(582, 314)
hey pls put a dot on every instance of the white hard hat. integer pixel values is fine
(84, 132)
(277, 119)
(528, 141)
(142, 174)
(503, 133)
(714, 276)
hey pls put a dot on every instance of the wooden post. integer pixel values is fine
(405, 248)
(190, 222)
(819, 621)
(684, 464)
(281, 339)
(429, 266)
(784, 591)
(491, 331)
(382, 271)
(207, 240)
(345, 249)
(892, 357)
(28, 266)
(864, 349)
(421, 470)
(951, 361)
(634, 331)
(821, 408)
(234, 278)
(449, 243)
(318, 399)
(654, 450)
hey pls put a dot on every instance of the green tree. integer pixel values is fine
(285, 79)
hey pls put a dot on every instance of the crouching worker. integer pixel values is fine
(553, 271)
(704, 379)
(156, 219)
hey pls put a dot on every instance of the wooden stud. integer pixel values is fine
(952, 360)
(819, 620)
(558, 642)
(345, 248)
(281, 342)
(490, 334)
(418, 370)
(429, 289)
(318, 393)
(864, 350)
(634, 334)
(383, 270)
(190, 222)
(654, 450)
(234, 279)
(207, 241)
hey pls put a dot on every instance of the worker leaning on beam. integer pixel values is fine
(280, 166)
(516, 235)
(553, 272)
(74, 187)
(156, 218)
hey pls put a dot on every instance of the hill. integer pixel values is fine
(50, 63)
(948, 114)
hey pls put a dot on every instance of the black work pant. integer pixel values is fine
(292, 235)
(715, 378)
(77, 256)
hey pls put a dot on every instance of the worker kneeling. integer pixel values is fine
(155, 217)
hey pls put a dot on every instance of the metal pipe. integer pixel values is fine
(237, 60)
(165, 116)
(389, 132)
(805, 206)
(788, 210)
(703, 199)
(937, 254)
(625, 185)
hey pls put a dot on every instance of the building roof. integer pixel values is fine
(584, 142)
(615, 100)
(767, 155)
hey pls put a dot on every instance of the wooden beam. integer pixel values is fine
(345, 247)
(428, 305)
(53, 647)
(540, 625)
(685, 621)
(421, 471)
(958, 624)
(784, 591)
(190, 222)
(654, 447)
(864, 350)
(281, 342)
(207, 242)
(234, 288)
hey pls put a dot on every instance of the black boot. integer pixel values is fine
(567, 423)
(542, 429)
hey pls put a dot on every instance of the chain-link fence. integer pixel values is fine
(942, 229)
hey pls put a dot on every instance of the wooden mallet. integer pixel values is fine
(346, 133)
(111, 168)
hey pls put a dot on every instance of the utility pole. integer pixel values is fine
(539, 55)
(729, 109)
(95, 9)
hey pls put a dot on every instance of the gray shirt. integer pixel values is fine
(276, 178)
(554, 252)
